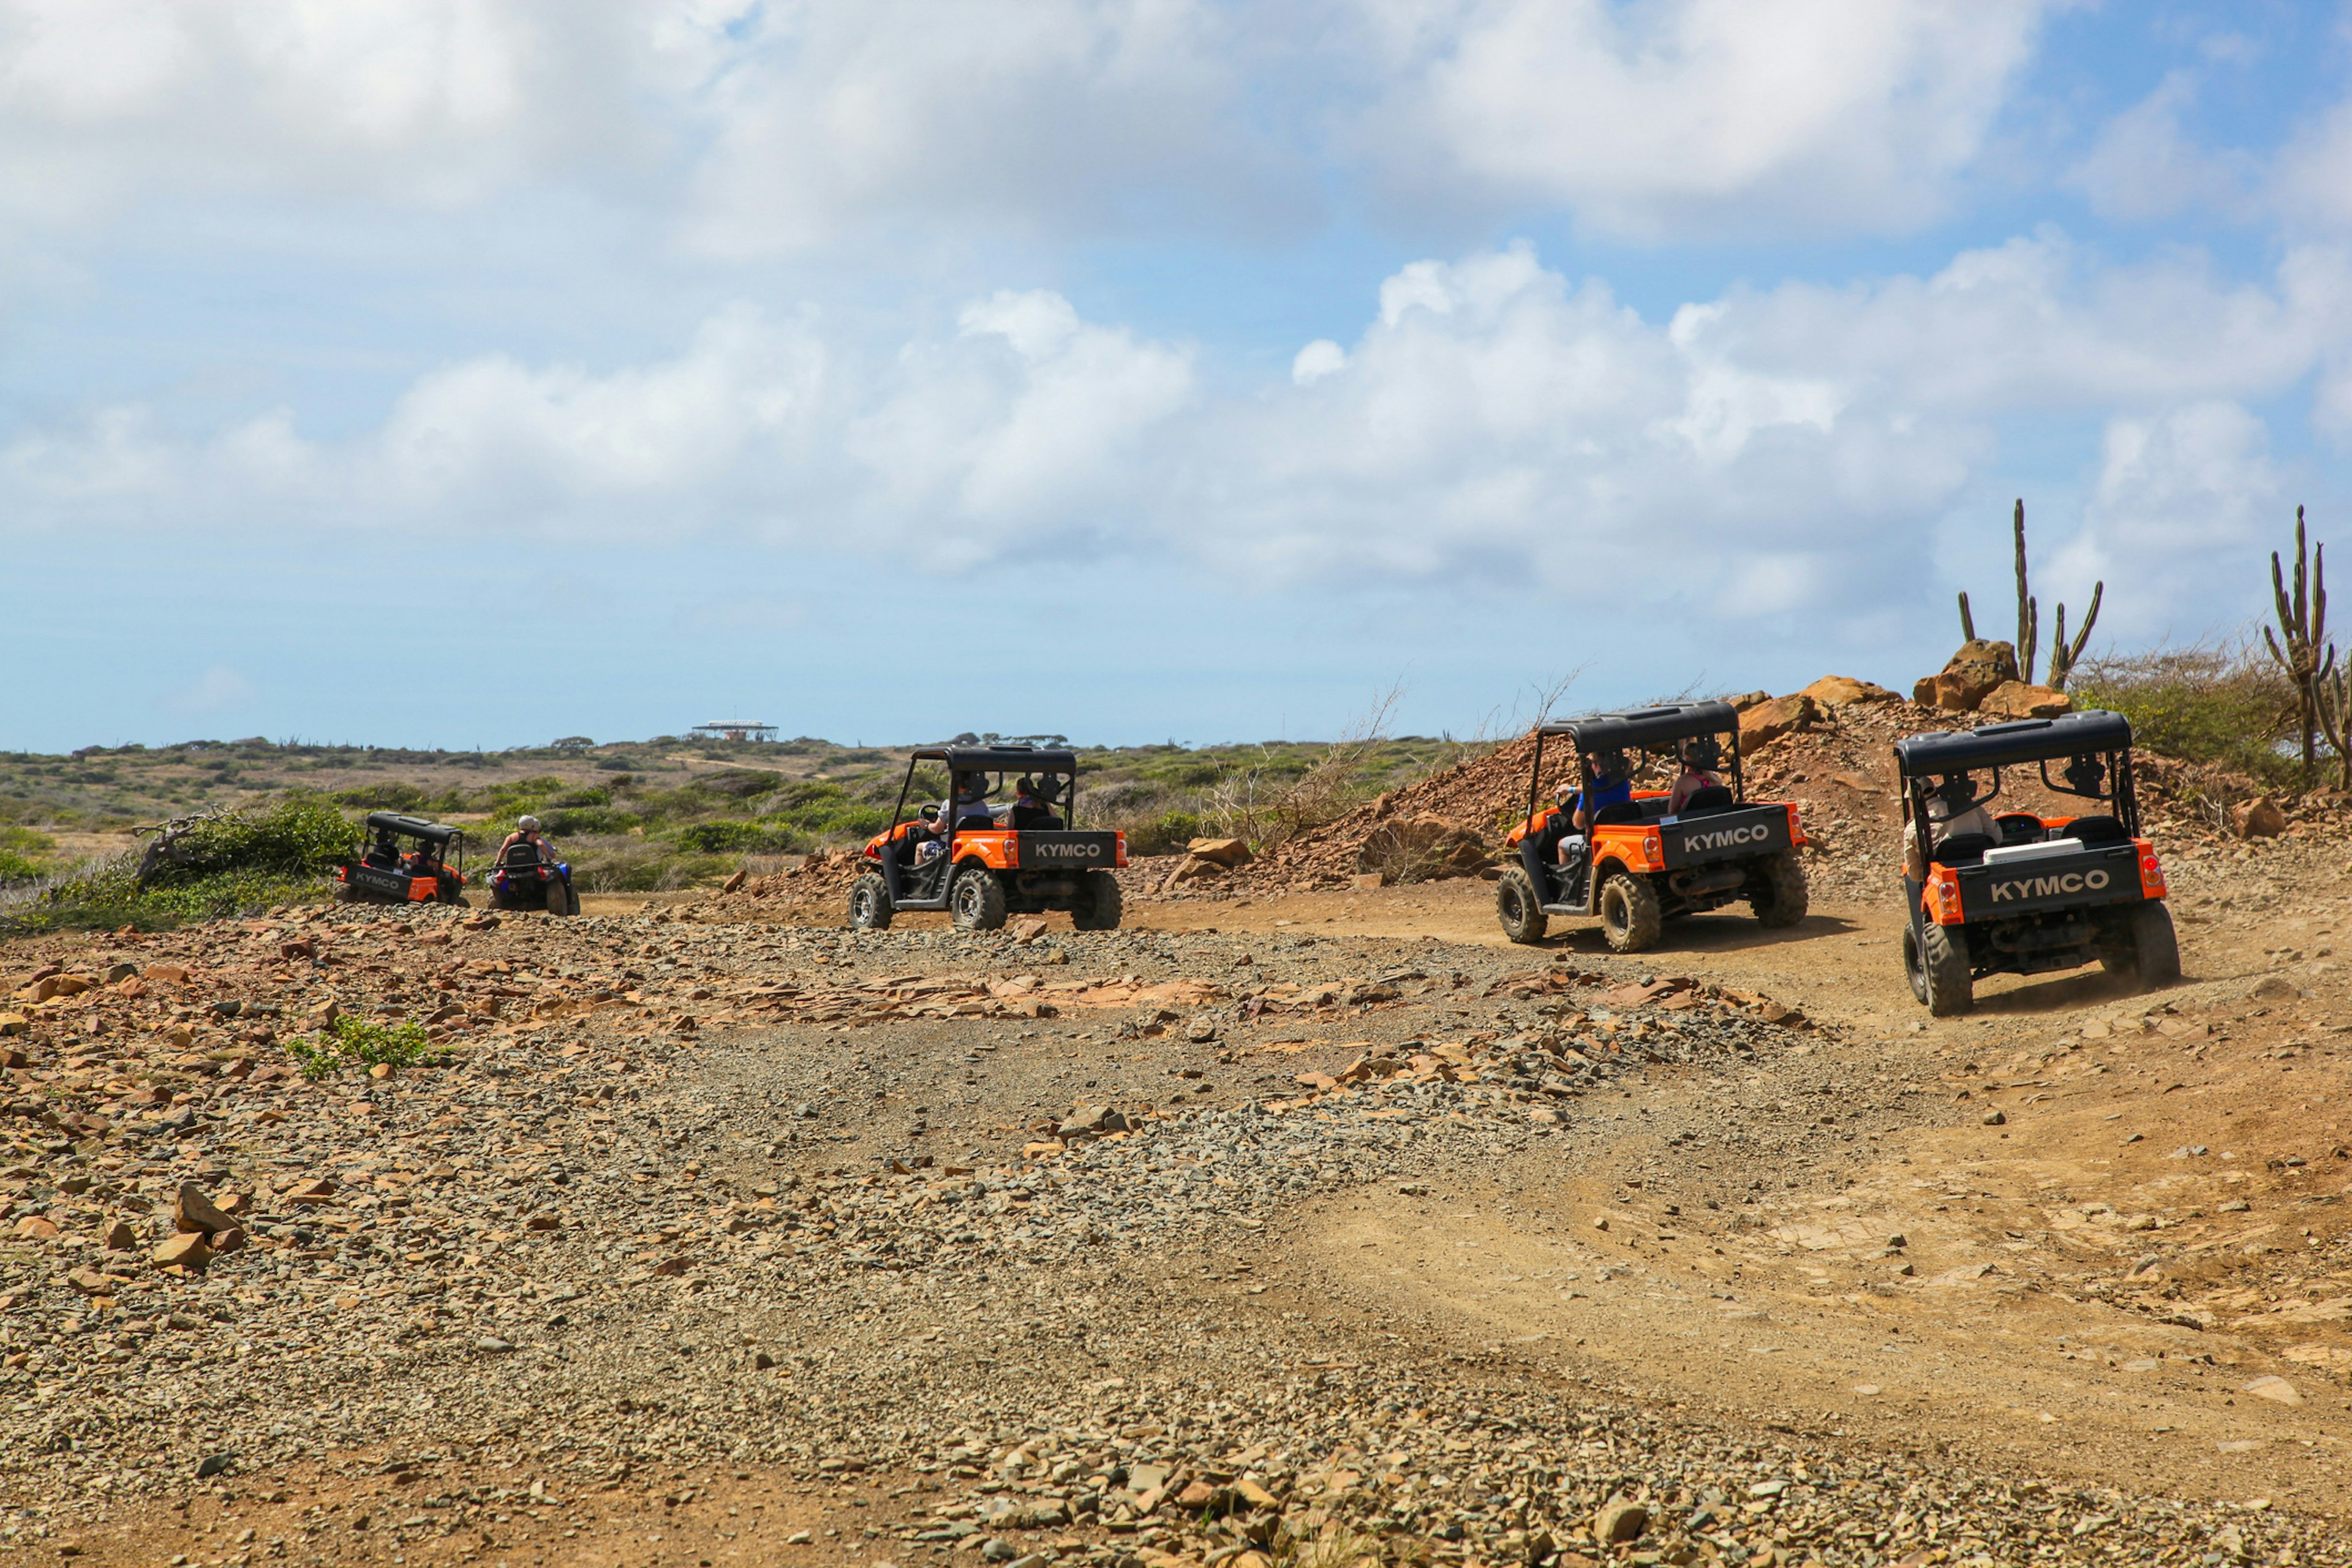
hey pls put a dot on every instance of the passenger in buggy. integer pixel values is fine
(1033, 809)
(1953, 809)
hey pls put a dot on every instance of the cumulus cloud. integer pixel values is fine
(2177, 492)
(1697, 116)
(437, 102)
(1763, 454)
(2145, 168)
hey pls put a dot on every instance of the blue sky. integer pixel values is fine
(465, 374)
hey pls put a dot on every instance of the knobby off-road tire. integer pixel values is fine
(1098, 906)
(1937, 962)
(1777, 891)
(561, 899)
(1519, 907)
(869, 903)
(1629, 915)
(2155, 950)
(977, 899)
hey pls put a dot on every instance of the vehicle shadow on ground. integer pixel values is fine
(2091, 987)
(1709, 934)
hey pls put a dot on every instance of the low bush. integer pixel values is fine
(564, 821)
(1166, 834)
(736, 838)
(2211, 703)
(356, 1043)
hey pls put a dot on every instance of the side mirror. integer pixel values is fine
(930, 814)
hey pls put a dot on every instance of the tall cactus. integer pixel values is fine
(2308, 656)
(2029, 614)
(2064, 655)
(1967, 621)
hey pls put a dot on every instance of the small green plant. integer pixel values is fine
(352, 1041)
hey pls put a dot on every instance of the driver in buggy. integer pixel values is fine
(1953, 808)
(1563, 834)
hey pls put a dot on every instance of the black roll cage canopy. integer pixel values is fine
(1650, 730)
(2094, 733)
(394, 825)
(1000, 759)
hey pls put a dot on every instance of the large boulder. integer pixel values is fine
(1842, 690)
(1975, 672)
(2258, 818)
(1767, 722)
(2015, 699)
(1225, 852)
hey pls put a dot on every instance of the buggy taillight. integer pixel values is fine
(2151, 873)
(1944, 895)
(1796, 831)
(1653, 848)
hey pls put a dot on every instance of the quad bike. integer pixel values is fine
(1641, 866)
(983, 864)
(525, 879)
(2042, 893)
(384, 872)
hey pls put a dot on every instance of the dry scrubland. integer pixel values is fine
(1300, 1222)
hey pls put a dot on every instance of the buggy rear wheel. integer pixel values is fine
(977, 899)
(1630, 914)
(2155, 949)
(1777, 890)
(1939, 964)
(1518, 907)
(1098, 905)
(561, 899)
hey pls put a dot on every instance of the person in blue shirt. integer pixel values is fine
(1612, 785)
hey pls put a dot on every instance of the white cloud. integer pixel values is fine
(2144, 167)
(983, 116)
(438, 101)
(2180, 494)
(1762, 454)
(1697, 116)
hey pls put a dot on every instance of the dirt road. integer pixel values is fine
(1411, 1241)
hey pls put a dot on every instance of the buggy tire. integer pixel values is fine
(561, 899)
(2155, 949)
(977, 899)
(1098, 906)
(1777, 891)
(499, 900)
(1630, 914)
(869, 903)
(1519, 907)
(1944, 980)
(454, 899)
(1914, 970)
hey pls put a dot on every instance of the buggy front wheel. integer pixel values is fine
(869, 903)
(1519, 907)
(1630, 914)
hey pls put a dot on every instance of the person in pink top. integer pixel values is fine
(1700, 757)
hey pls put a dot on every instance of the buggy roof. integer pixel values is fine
(412, 827)
(999, 759)
(1645, 727)
(2021, 740)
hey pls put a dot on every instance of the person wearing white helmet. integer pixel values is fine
(527, 832)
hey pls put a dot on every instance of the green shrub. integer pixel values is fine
(353, 1042)
(566, 820)
(15, 867)
(391, 794)
(1166, 834)
(2205, 704)
(302, 835)
(735, 838)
